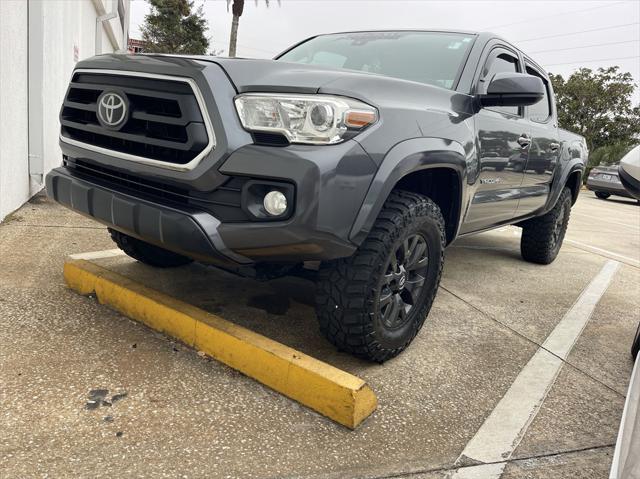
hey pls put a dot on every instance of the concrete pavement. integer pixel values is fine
(184, 415)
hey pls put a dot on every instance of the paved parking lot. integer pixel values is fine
(177, 414)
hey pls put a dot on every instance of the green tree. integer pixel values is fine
(598, 105)
(236, 9)
(609, 154)
(172, 26)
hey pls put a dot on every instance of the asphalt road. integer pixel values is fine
(465, 375)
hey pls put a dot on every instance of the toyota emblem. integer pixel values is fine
(113, 109)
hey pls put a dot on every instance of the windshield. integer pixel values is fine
(426, 57)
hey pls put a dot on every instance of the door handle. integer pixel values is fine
(524, 141)
(554, 146)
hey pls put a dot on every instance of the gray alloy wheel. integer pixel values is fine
(403, 281)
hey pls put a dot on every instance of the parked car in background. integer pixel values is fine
(629, 172)
(626, 462)
(604, 181)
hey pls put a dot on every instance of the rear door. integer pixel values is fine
(544, 150)
(503, 136)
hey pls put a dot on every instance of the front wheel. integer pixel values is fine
(602, 195)
(373, 303)
(542, 237)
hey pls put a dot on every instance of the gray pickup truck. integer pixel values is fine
(362, 154)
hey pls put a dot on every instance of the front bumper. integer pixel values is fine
(317, 230)
(188, 232)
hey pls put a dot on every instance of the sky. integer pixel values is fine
(561, 35)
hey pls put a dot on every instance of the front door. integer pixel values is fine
(504, 140)
(543, 153)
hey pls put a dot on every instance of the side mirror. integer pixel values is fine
(513, 89)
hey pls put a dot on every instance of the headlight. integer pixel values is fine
(311, 119)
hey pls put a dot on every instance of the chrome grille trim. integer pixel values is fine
(149, 161)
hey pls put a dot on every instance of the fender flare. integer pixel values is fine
(574, 165)
(403, 159)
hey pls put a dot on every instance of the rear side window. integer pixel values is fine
(502, 63)
(540, 111)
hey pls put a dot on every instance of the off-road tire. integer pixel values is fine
(542, 237)
(602, 195)
(147, 253)
(348, 289)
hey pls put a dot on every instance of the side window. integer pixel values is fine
(502, 63)
(540, 111)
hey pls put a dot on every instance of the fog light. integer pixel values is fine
(275, 203)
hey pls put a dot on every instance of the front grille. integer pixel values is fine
(224, 202)
(165, 121)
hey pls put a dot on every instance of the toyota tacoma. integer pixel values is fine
(359, 154)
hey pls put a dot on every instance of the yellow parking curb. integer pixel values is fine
(332, 392)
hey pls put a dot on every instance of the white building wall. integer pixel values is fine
(14, 175)
(67, 26)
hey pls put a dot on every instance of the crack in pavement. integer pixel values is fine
(507, 461)
(565, 361)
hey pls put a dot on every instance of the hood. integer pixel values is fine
(252, 75)
(275, 76)
(245, 74)
(255, 75)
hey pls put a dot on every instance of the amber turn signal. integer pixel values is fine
(359, 119)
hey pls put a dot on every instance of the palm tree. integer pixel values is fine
(237, 9)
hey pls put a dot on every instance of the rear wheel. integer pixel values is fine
(147, 253)
(602, 195)
(373, 303)
(542, 237)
